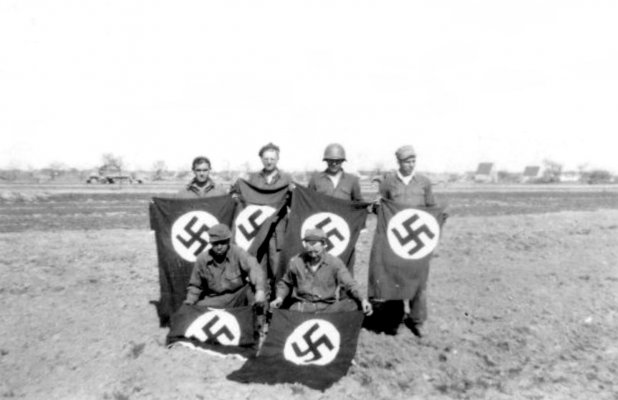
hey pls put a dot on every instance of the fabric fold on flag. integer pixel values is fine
(219, 331)
(403, 244)
(260, 213)
(181, 233)
(313, 349)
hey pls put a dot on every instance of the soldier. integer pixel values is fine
(407, 187)
(225, 276)
(334, 181)
(270, 177)
(313, 277)
(201, 185)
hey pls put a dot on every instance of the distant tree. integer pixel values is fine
(159, 169)
(597, 176)
(111, 163)
(551, 171)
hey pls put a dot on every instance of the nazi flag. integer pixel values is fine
(341, 220)
(404, 241)
(313, 349)
(181, 232)
(222, 331)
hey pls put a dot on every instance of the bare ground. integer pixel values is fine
(521, 306)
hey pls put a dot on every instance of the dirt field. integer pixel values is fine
(523, 303)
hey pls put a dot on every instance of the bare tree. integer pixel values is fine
(552, 171)
(159, 168)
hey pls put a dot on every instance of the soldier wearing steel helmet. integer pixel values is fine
(408, 187)
(334, 181)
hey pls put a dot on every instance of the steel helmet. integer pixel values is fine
(334, 151)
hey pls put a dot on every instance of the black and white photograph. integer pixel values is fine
(308, 199)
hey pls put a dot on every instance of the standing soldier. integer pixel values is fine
(334, 181)
(270, 177)
(407, 187)
(201, 185)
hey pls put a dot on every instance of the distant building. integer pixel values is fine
(531, 173)
(486, 173)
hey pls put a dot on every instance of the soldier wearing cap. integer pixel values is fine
(225, 276)
(313, 277)
(405, 186)
(334, 181)
(201, 185)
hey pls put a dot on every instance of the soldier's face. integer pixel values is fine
(220, 248)
(270, 158)
(314, 248)
(406, 166)
(201, 172)
(334, 166)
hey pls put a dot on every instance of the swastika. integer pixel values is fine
(313, 346)
(414, 235)
(252, 219)
(190, 233)
(214, 336)
(248, 223)
(333, 232)
(215, 326)
(336, 228)
(194, 236)
(315, 341)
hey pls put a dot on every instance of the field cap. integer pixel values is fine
(219, 233)
(314, 235)
(405, 152)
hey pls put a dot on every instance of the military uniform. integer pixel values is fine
(416, 193)
(348, 187)
(316, 291)
(227, 283)
(193, 190)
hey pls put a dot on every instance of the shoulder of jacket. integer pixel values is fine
(423, 179)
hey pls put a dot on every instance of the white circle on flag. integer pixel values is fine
(190, 234)
(314, 342)
(249, 222)
(222, 327)
(336, 229)
(413, 234)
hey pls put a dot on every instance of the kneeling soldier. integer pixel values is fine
(314, 275)
(225, 276)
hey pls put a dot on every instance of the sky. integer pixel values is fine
(510, 82)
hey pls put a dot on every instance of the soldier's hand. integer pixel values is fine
(260, 296)
(367, 308)
(276, 303)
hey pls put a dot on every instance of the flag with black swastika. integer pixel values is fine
(259, 216)
(341, 220)
(313, 349)
(404, 241)
(181, 232)
(218, 331)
